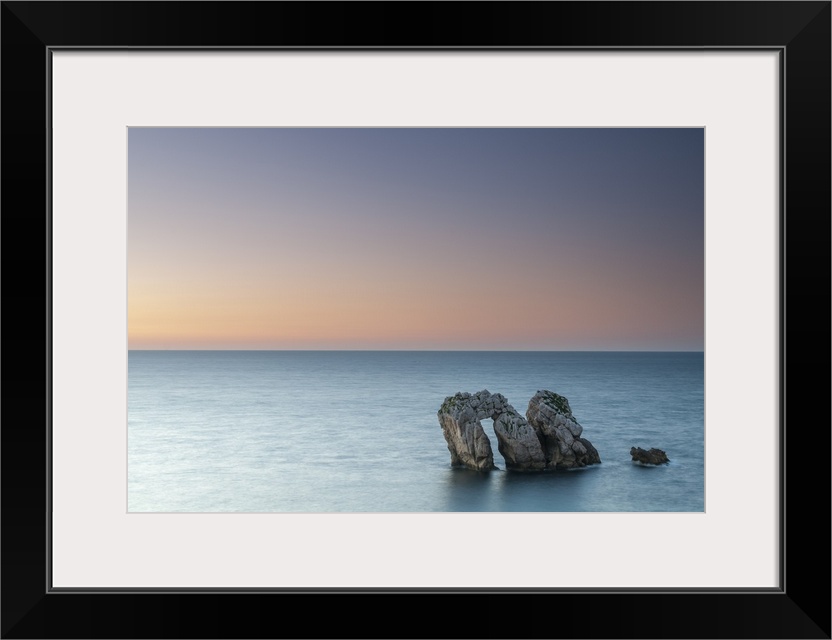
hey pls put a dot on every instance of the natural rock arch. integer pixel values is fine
(460, 417)
(548, 438)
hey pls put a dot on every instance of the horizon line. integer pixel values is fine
(447, 350)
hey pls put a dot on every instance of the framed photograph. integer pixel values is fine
(517, 299)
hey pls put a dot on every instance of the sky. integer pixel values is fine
(544, 239)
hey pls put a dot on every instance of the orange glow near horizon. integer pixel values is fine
(375, 313)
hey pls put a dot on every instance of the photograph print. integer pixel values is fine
(388, 320)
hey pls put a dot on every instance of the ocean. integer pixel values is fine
(357, 431)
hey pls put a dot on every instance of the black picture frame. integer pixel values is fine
(799, 608)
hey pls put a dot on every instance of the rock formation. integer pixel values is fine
(460, 417)
(559, 432)
(549, 439)
(518, 442)
(653, 456)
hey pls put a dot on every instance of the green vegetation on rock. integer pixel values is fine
(558, 402)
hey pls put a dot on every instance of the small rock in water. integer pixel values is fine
(653, 456)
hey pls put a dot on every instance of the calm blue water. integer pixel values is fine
(350, 431)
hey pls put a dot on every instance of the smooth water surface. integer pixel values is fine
(357, 431)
